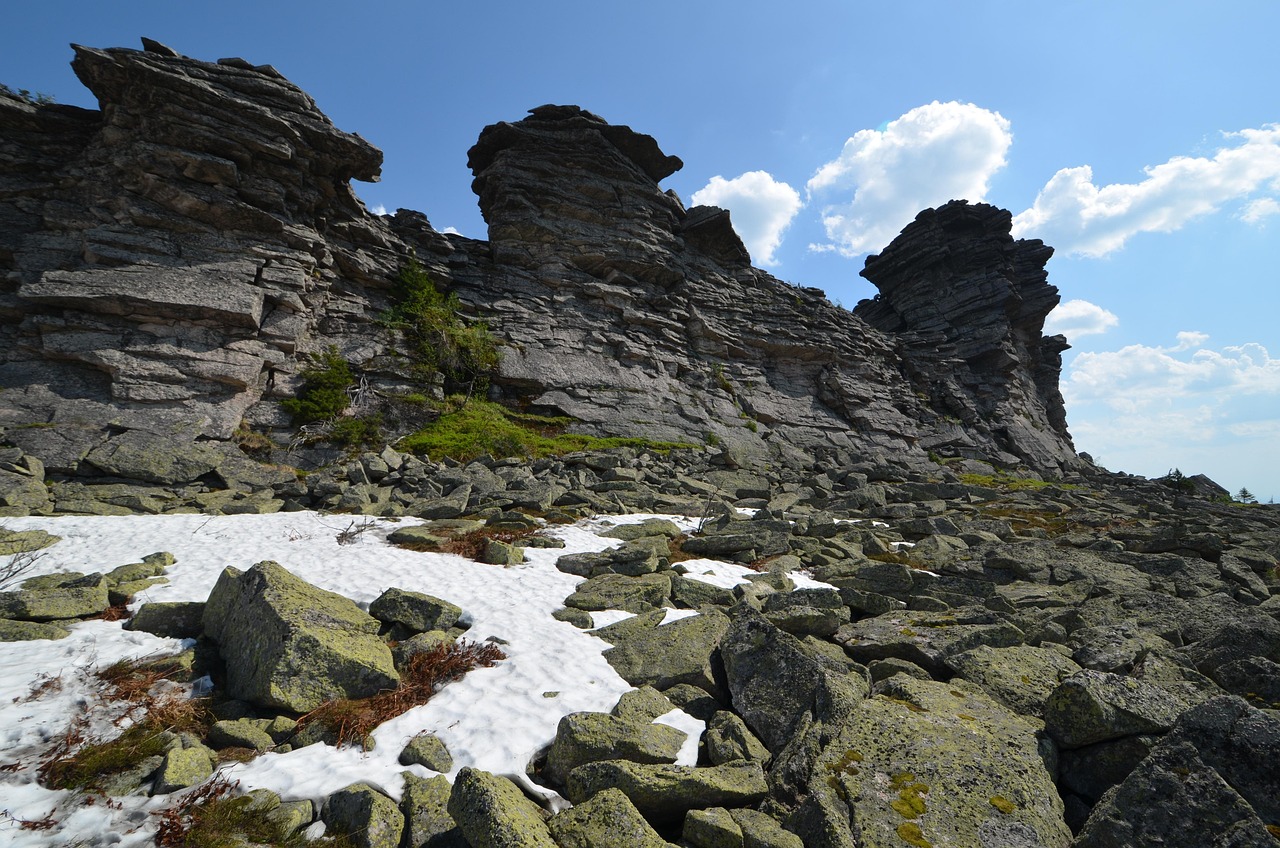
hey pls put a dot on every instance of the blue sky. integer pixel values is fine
(1139, 138)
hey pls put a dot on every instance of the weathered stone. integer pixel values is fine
(614, 591)
(365, 816)
(426, 749)
(415, 611)
(427, 823)
(643, 704)
(56, 596)
(924, 638)
(239, 733)
(680, 652)
(492, 813)
(1094, 706)
(1020, 677)
(173, 619)
(591, 737)
(937, 763)
(606, 819)
(728, 739)
(22, 631)
(183, 767)
(290, 645)
(664, 793)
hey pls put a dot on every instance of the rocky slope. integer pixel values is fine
(170, 261)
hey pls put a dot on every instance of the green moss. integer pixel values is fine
(1008, 482)
(911, 834)
(475, 427)
(1003, 804)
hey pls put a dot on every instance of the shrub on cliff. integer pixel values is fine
(324, 390)
(436, 338)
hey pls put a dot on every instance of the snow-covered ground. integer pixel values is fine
(494, 719)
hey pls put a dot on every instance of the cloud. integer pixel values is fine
(932, 154)
(1259, 210)
(379, 210)
(450, 231)
(1140, 376)
(762, 208)
(1078, 217)
(1077, 318)
(1148, 409)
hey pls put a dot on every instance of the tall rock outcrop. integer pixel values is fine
(167, 264)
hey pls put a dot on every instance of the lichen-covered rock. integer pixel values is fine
(938, 763)
(240, 733)
(1210, 783)
(816, 612)
(291, 645)
(1021, 677)
(762, 831)
(427, 823)
(24, 541)
(590, 737)
(616, 591)
(174, 619)
(775, 682)
(426, 749)
(926, 638)
(1094, 706)
(605, 820)
(711, 828)
(679, 652)
(664, 793)
(22, 631)
(183, 767)
(728, 738)
(365, 816)
(497, 552)
(492, 813)
(648, 527)
(414, 611)
(643, 704)
(56, 596)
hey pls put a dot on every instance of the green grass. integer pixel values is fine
(477, 427)
(1011, 483)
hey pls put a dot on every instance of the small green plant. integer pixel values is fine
(472, 427)
(39, 98)
(214, 816)
(717, 372)
(436, 338)
(324, 395)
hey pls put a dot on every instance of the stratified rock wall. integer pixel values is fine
(967, 304)
(167, 264)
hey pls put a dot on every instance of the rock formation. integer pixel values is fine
(170, 261)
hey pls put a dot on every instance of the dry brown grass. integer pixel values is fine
(471, 545)
(677, 552)
(119, 612)
(352, 720)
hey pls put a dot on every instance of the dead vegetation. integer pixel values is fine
(352, 720)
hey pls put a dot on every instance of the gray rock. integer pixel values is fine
(427, 823)
(1021, 677)
(680, 652)
(173, 619)
(728, 739)
(426, 749)
(664, 793)
(365, 816)
(590, 737)
(1095, 706)
(492, 813)
(290, 645)
(23, 631)
(614, 591)
(239, 733)
(606, 819)
(181, 768)
(414, 611)
(927, 639)
(56, 596)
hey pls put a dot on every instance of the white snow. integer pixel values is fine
(494, 719)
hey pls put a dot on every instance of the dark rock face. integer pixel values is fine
(967, 303)
(167, 264)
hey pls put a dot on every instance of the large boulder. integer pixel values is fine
(664, 793)
(293, 646)
(1095, 706)
(605, 820)
(492, 813)
(368, 818)
(1212, 782)
(927, 763)
(56, 596)
(683, 651)
(590, 737)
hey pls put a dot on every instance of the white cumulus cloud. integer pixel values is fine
(1259, 210)
(1077, 216)
(1077, 318)
(883, 178)
(379, 210)
(761, 209)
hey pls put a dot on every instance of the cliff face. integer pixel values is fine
(169, 260)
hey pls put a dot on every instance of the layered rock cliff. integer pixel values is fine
(170, 261)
